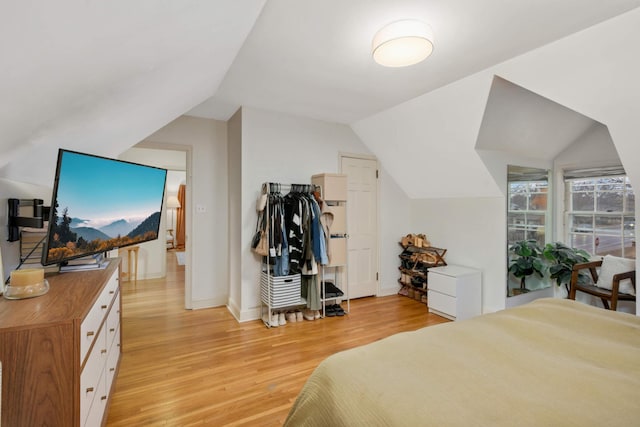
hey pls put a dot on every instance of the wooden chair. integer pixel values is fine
(605, 295)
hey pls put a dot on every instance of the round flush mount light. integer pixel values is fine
(402, 43)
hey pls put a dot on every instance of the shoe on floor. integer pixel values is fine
(338, 310)
(282, 319)
(316, 314)
(308, 314)
(274, 320)
(299, 316)
(291, 317)
(329, 311)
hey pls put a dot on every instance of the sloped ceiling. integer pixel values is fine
(525, 124)
(101, 76)
(312, 58)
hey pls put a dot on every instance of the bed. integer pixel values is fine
(552, 362)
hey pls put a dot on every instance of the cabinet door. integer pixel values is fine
(443, 284)
(91, 377)
(38, 376)
(442, 303)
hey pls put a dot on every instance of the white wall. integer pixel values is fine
(236, 248)
(15, 190)
(207, 215)
(394, 222)
(288, 149)
(467, 228)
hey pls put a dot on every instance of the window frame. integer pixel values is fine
(592, 232)
(530, 227)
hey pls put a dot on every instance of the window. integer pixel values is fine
(600, 213)
(526, 216)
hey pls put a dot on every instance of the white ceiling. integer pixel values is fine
(312, 58)
(101, 76)
(522, 123)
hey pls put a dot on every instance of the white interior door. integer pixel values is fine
(362, 225)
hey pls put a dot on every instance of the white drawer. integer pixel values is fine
(112, 360)
(92, 373)
(112, 285)
(442, 303)
(98, 406)
(92, 322)
(442, 284)
(113, 320)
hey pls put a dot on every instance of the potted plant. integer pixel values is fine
(527, 261)
(563, 258)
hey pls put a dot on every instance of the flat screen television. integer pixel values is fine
(99, 204)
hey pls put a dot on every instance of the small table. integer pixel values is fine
(132, 260)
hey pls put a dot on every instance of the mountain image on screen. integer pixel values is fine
(149, 225)
(70, 242)
(100, 204)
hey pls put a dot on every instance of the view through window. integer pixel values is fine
(600, 215)
(527, 211)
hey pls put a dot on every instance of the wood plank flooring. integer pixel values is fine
(201, 367)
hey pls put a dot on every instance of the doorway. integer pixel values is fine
(362, 223)
(177, 160)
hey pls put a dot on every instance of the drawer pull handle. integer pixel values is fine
(90, 390)
(90, 333)
(112, 330)
(112, 369)
(112, 292)
(103, 351)
(103, 397)
(104, 307)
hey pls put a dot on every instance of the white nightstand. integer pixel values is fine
(454, 292)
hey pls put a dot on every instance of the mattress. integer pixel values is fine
(552, 362)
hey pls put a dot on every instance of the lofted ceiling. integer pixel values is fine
(312, 58)
(522, 123)
(101, 76)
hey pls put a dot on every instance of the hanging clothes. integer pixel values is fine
(326, 220)
(293, 218)
(318, 237)
(297, 237)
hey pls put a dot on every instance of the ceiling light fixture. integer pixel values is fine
(402, 43)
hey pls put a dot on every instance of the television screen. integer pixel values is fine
(100, 204)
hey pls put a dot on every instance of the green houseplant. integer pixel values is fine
(562, 259)
(527, 260)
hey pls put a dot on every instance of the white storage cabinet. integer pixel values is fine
(455, 292)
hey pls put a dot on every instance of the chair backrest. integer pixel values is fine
(612, 265)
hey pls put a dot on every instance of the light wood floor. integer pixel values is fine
(184, 368)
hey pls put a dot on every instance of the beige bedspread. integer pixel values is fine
(552, 362)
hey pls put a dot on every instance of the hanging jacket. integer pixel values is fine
(293, 224)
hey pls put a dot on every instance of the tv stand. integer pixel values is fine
(60, 352)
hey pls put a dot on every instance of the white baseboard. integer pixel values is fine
(385, 292)
(243, 316)
(209, 303)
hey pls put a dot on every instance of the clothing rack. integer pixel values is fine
(267, 279)
(275, 188)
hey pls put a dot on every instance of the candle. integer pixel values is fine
(27, 277)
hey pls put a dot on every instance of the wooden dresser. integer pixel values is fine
(60, 352)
